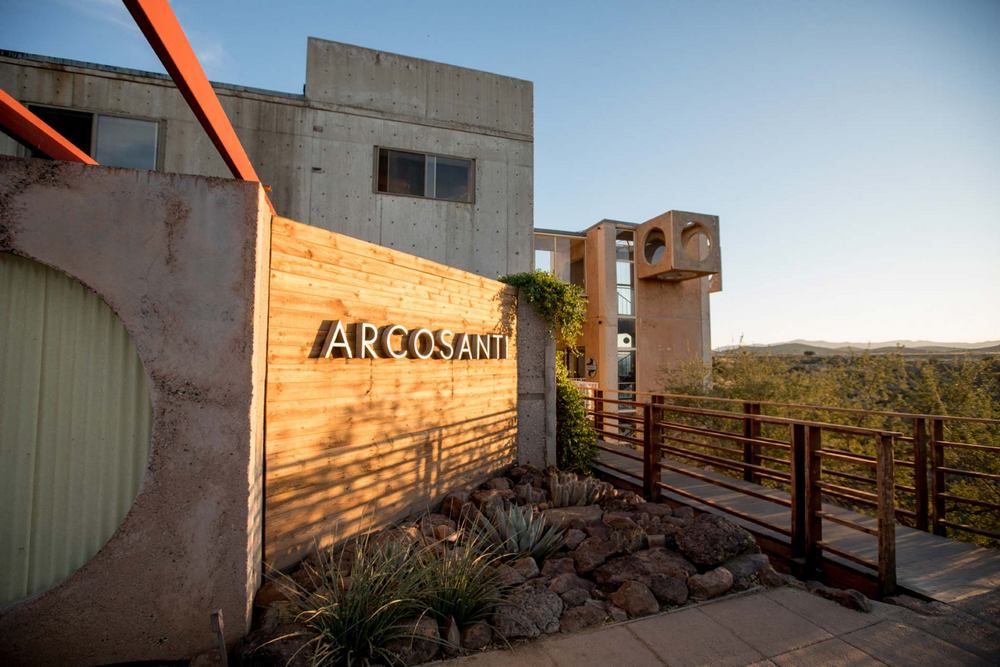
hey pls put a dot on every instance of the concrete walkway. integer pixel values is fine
(786, 626)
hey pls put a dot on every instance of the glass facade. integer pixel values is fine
(562, 256)
(625, 283)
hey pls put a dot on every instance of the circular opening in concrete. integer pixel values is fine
(75, 419)
(654, 246)
(696, 242)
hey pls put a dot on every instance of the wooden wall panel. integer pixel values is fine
(353, 444)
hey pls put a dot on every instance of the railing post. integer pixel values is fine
(649, 454)
(937, 476)
(598, 411)
(814, 499)
(886, 490)
(655, 441)
(798, 474)
(751, 429)
(920, 471)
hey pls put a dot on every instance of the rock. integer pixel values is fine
(278, 613)
(526, 567)
(498, 483)
(271, 592)
(711, 540)
(667, 590)
(641, 565)
(573, 538)
(846, 597)
(711, 584)
(624, 532)
(453, 505)
(422, 644)
(617, 614)
(655, 509)
(592, 552)
(451, 635)
(443, 533)
(530, 495)
(529, 611)
(597, 530)
(566, 581)
(635, 599)
(684, 513)
(746, 570)
(656, 541)
(583, 616)
(290, 645)
(430, 522)
(574, 597)
(476, 636)
(555, 566)
(209, 658)
(508, 576)
(574, 517)
(773, 579)
(486, 499)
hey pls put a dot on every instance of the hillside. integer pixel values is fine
(906, 347)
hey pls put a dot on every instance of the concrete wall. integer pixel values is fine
(317, 151)
(183, 261)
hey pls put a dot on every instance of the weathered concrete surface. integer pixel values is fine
(536, 388)
(183, 261)
(317, 151)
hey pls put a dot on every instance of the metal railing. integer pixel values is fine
(878, 471)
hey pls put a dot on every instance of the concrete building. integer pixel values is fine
(647, 288)
(431, 159)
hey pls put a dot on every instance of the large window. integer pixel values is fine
(424, 175)
(113, 141)
(625, 282)
(562, 256)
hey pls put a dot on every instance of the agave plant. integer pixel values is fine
(513, 531)
(568, 490)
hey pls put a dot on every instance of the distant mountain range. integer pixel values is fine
(824, 348)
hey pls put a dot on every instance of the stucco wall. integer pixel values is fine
(183, 261)
(317, 151)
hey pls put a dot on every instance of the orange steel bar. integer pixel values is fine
(32, 131)
(160, 26)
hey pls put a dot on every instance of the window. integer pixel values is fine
(625, 282)
(423, 175)
(562, 256)
(111, 140)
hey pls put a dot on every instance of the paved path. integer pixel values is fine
(937, 567)
(786, 626)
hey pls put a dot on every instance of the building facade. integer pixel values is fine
(647, 290)
(427, 158)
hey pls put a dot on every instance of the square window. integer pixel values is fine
(126, 142)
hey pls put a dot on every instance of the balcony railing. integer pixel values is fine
(913, 469)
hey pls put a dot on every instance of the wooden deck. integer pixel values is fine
(926, 564)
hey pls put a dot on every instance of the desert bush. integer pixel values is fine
(513, 531)
(576, 440)
(460, 582)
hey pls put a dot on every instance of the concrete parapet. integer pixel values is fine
(536, 388)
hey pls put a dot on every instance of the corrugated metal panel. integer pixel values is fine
(74, 425)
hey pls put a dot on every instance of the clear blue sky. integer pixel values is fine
(851, 148)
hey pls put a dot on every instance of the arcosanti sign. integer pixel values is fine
(371, 342)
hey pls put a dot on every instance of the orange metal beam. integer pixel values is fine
(160, 26)
(32, 131)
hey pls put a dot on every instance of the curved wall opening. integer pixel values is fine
(75, 421)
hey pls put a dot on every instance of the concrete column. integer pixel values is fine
(536, 388)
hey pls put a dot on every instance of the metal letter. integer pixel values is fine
(386, 340)
(365, 334)
(336, 337)
(495, 342)
(445, 350)
(482, 346)
(464, 346)
(413, 344)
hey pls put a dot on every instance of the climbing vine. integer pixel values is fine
(564, 308)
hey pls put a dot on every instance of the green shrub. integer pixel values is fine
(355, 616)
(460, 582)
(576, 440)
(568, 490)
(561, 305)
(513, 531)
